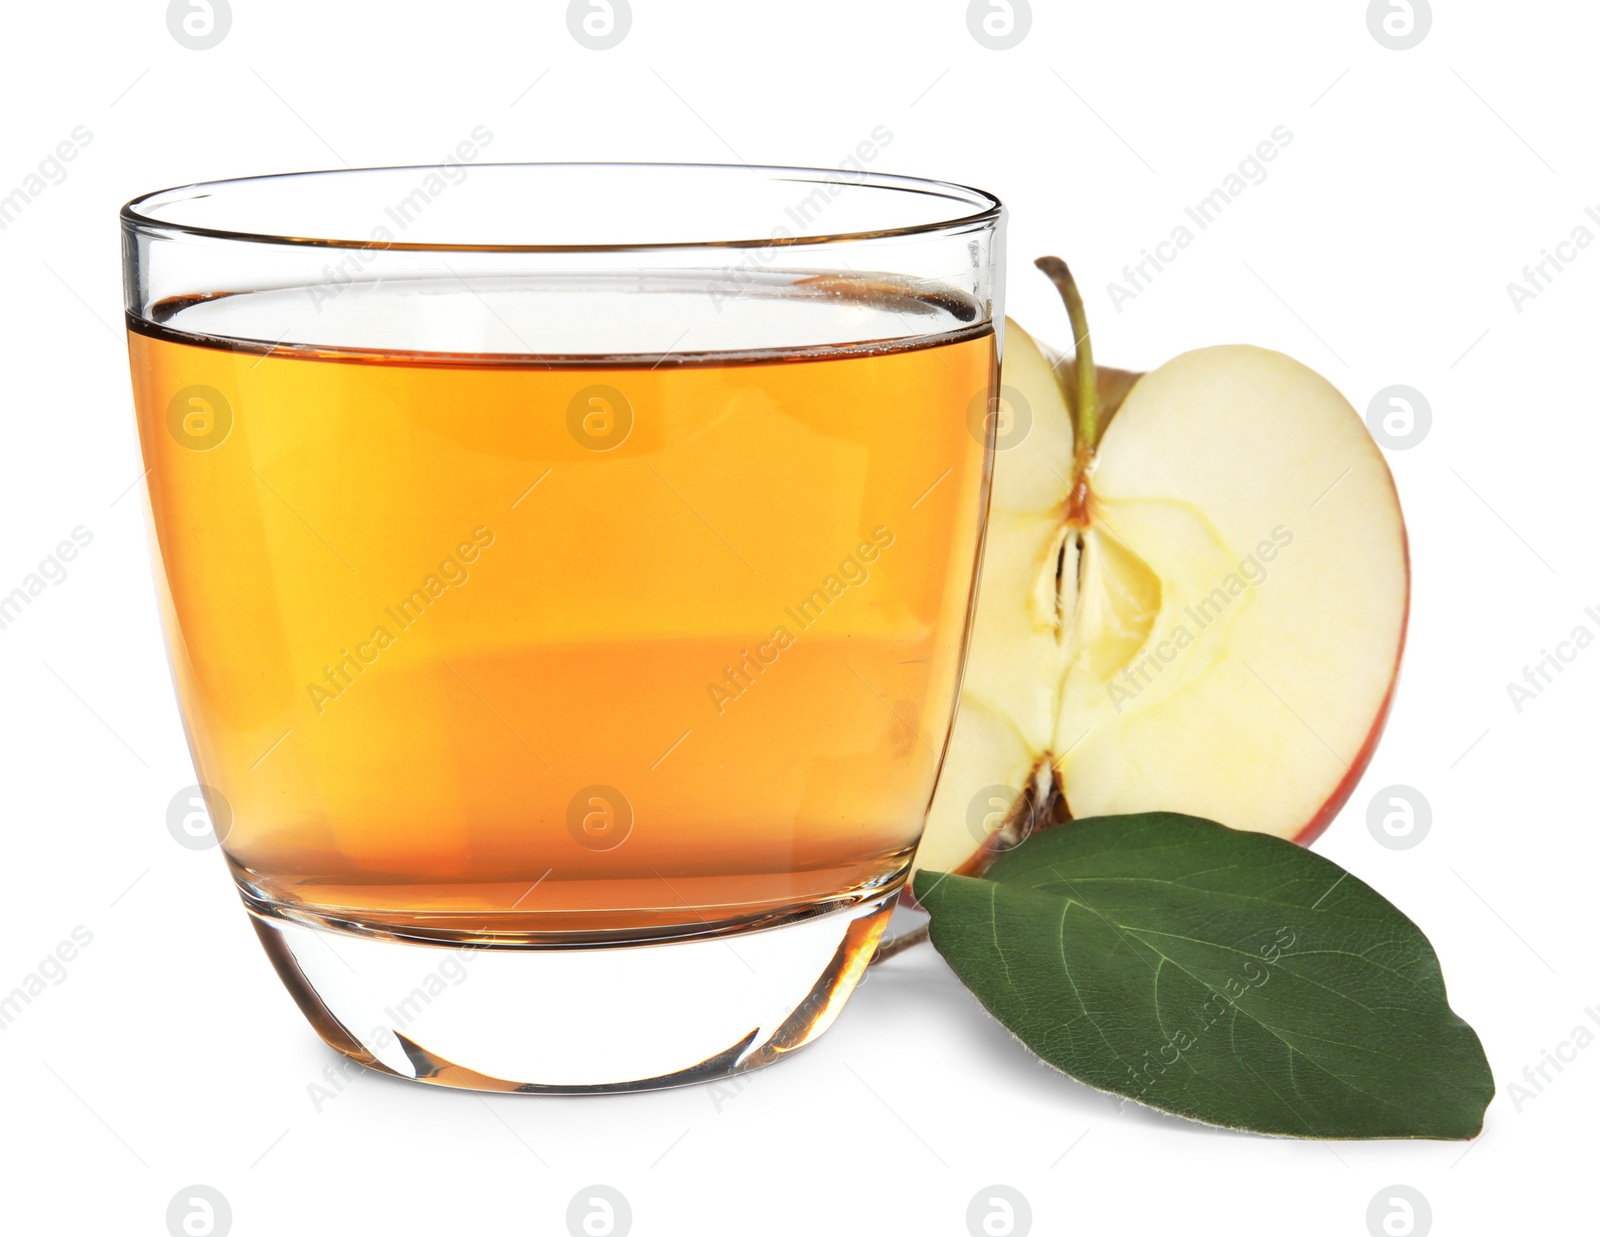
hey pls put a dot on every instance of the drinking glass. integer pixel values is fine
(565, 572)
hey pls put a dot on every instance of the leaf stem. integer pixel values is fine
(899, 944)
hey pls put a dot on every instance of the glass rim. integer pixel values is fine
(986, 209)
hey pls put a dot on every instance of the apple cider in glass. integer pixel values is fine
(536, 645)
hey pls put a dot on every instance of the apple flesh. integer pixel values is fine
(1193, 598)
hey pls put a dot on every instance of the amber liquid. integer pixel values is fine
(455, 670)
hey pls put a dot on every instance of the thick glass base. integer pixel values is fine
(574, 1020)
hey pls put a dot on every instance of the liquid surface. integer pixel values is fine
(491, 645)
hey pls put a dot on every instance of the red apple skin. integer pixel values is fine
(1358, 766)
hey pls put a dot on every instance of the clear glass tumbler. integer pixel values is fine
(566, 572)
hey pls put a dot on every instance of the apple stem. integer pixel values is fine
(1087, 410)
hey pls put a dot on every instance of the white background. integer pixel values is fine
(1417, 185)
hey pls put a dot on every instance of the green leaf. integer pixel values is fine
(1226, 976)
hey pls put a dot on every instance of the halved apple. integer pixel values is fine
(1193, 597)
